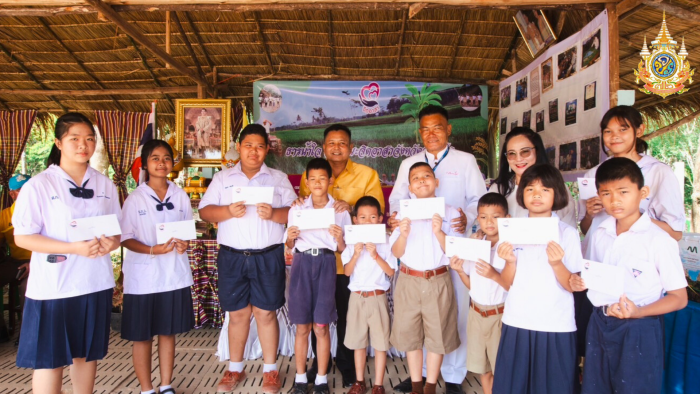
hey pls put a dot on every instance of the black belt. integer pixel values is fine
(316, 251)
(250, 252)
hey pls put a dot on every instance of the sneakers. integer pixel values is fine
(271, 382)
(321, 389)
(299, 388)
(378, 390)
(358, 388)
(230, 381)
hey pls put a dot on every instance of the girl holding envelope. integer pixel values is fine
(157, 277)
(69, 292)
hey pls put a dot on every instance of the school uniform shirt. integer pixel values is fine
(665, 201)
(140, 216)
(317, 238)
(485, 291)
(423, 251)
(536, 301)
(649, 256)
(249, 231)
(461, 182)
(566, 214)
(368, 275)
(45, 206)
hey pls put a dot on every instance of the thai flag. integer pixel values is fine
(136, 171)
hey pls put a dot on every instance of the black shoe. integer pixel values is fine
(311, 373)
(348, 381)
(321, 389)
(453, 388)
(4, 334)
(405, 386)
(299, 388)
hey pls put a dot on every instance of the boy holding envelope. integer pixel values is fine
(315, 239)
(425, 308)
(487, 290)
(370, 267)
(625, 334)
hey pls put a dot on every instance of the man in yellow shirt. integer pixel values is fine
(12, 267)
(351, 181)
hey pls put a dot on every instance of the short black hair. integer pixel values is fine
(549, 177)
(254, 129)
(505, 181)
(617, 168)
(419, 164)
(319, 164)
(367, 201)
(337, 127)
(493, 200)
(150, 146)
(433, 110)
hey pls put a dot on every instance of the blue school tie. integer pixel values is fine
(165, 204)
(81, 192)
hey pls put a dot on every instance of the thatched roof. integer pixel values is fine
(46, 46)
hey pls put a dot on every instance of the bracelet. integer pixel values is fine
(151, 253)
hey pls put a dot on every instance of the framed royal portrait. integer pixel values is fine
(203, 130)
(535, 29)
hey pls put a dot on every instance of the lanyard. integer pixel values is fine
(439, 161)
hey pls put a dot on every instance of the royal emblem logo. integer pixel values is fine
(369, 97)
(161, 227)
(584, 182)
(505, 223)
(662, 70)
(73, 223)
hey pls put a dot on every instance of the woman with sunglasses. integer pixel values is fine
(522, 149)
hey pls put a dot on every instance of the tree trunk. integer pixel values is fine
(695, 197)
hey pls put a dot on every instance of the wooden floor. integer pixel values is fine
(197, 370)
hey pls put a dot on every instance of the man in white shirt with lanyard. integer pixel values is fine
(461, 184)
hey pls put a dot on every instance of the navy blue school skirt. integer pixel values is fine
(54, 332)
(535, 362)
(166, 313)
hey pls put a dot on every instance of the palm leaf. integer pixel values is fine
(412, 89)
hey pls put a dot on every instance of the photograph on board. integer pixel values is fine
(547, 75)
(521, 89)
(527, 118)
(504, 125)
(570, 112)
(589, 96)
(590, 50)
(567, 156)
(590, 153)
(535, 87)
(566, 63)
(539, 121)
(552, 155)
(505, 97)
(554, 111)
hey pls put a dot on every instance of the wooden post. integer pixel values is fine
(201, 91)
(167, 36)
(215, 81)
(614, 51)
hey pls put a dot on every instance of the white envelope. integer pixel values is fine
(364, 233)
(528, 231)
(586, 188)
(422, 208)
(311, 219)
(605, 278)
(84, 229)
(468, 248)
(182, 230)
(253, 195)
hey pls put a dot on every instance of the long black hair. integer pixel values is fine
(627, 116)
(505, 179)
(63, 124)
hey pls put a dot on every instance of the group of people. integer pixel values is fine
(513, 320)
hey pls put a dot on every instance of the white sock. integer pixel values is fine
(321, 379)
(149, 392)
(163, 388)
(235, 367)
(301, 378)
(269, 368)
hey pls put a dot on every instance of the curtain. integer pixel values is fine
(15, 127)
(121, 132)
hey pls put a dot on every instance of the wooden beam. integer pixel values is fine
(305, 77)
(402, 32)
(168, 35)
(261, 38)
(673, 126)
(132, 31)
(148, 68)
(653, 100)
(415, 8)
(670, 9)
(511, 48)
(455, 42)
(614, 51)
(30, 74)
(625, 6)
(101, 92)
(200, 42)
(560, 23)
(330, 40)
(186, 40)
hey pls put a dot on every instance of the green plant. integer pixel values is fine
(418, 99)
(118, 294)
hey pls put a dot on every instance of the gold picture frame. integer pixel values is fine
(535, 30)
(203, 131)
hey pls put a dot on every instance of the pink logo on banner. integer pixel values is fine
(73, 223)
(369, 96)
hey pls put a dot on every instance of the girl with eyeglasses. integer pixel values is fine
(522, 149)
(69, 291)
(157, 276)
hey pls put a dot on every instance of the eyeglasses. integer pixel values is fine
(524, 153)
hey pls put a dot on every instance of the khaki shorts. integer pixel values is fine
(483, 336)
(425, 314)
(368, 320)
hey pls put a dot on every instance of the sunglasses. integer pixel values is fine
(524, 153)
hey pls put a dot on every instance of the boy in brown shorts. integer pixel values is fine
(370, 267)
(487, 291)
(425, 308)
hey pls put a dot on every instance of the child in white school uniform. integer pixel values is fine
(157, 277)
(69, 292)
(487, 291)
(425, 307)
(313, 275)
(625, 348)
(251, 255)
(537, 351)
(370, 268)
